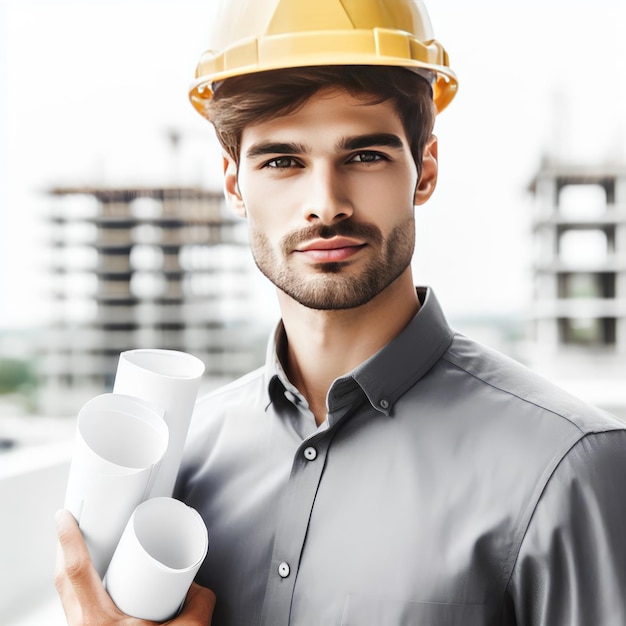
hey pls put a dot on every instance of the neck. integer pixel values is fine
(324, 345)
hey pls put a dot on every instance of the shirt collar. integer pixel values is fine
(274, 372)
(394, 369)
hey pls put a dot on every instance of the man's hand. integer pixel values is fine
(84, 598)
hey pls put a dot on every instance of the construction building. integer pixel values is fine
(579, 274)
(146, 267)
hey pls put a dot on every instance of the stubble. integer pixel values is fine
(331, 286)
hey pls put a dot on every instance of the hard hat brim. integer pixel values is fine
(380, 47)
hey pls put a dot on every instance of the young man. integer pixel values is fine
(380, 468)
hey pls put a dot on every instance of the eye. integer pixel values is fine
(283, 162)
(368, 157)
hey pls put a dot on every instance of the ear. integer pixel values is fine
(430, 168)
(231, 187)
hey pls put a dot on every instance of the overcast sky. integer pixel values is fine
(89, 89)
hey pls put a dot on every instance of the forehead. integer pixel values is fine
(330, 112)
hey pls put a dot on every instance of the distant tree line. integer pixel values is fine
(17, 376)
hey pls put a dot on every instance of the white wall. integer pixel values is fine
(32, 487)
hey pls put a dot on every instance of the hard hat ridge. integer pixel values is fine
(316, 15)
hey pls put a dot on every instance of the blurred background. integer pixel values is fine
(114, 235)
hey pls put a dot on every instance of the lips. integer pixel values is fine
(330, 250)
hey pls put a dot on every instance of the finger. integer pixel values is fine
(198, 607)
(65, 590)
(78, 584)
(66, 537)
(75, 562)
(68, 534)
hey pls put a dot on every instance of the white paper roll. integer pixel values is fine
(157, 558)
(119, 443)
(170, 380)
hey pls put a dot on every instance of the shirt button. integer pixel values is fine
(384, 403)
(283, 570)
(310, 453)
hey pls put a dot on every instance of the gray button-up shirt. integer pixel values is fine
(448, 486)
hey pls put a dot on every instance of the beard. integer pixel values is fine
(328, 286)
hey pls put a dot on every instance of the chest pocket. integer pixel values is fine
(365, 611)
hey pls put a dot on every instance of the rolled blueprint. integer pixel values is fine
(157, 558)
(170, 380)
(119, 443)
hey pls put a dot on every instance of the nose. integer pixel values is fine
(327, 200)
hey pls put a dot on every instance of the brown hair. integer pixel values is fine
(258, 97)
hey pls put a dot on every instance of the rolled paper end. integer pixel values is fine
(120, 441)
(171, 380)
(158, 556)
(171, 364)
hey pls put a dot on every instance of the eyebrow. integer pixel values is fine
(358, 142)
(367, 141)
(273, 147)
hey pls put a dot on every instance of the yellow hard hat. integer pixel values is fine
(258, 35)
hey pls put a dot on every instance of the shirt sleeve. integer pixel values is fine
(571, 568)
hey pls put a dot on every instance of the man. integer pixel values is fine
(380, 468)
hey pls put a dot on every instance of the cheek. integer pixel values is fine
(265, 227)
(261, 219)
(385, 201)
(266, 200)
(272, 212)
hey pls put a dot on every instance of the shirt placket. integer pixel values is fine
(304, 481)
